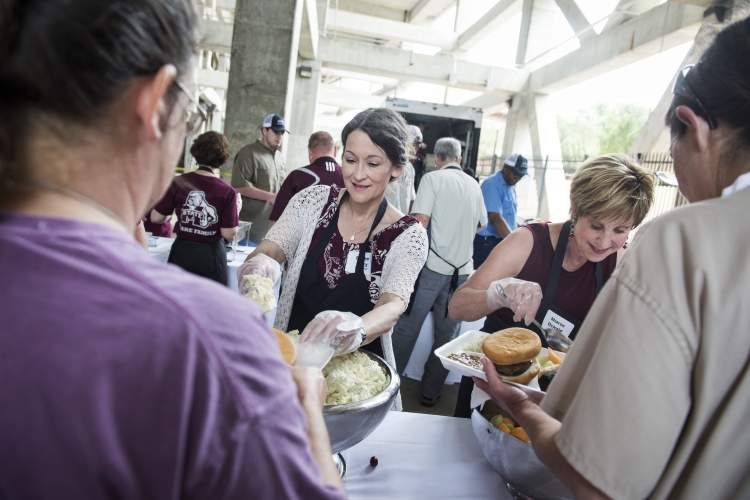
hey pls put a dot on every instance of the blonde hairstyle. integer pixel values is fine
(611, 187)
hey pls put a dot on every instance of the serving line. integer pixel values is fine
(421, 456)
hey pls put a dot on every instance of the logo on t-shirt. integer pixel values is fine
(197, 211)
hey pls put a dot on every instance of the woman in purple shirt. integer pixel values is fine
(115, 381)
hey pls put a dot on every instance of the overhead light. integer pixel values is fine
(305, 71)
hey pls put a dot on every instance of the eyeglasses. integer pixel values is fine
(193, 119)
(682, 88)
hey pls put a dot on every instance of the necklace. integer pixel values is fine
(79, 197)
(351, 227)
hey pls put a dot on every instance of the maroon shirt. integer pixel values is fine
(332, 263)
(204, 205)
(324, 170)
(575, 291)
(163, 230)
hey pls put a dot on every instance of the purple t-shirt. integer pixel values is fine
(204, 205)
(121, 377)
(323, 170)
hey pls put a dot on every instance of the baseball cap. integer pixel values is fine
(275, 123)
(517, 164)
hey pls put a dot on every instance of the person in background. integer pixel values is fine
(323, 169)
(420, 157)
(206, 210)
(258, 173)
(123, 377)
(163, 230)
(553, 272)
(450, 206)
(666, 342)
(400, 193)
(353, 258)
(499, 191)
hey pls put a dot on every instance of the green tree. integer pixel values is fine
(601, 129)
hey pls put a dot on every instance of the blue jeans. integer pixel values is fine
(483, 246)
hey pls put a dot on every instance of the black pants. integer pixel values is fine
(483, 246)
(463, 402)
(206, 259)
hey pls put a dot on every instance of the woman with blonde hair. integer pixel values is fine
(553, 272)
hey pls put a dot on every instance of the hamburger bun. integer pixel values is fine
(288, 349)
(514, 352)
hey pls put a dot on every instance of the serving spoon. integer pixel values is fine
(555, 339)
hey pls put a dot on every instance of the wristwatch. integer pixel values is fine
(363, 334)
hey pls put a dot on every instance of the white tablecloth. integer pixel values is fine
(421, 457)
(234, 260)
(423, 348)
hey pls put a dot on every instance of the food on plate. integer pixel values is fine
(546, 379)
(547, 366)
(475, 345)
(353, 377)
(510, 426)
(554, 356)
(294, 335)
(288, 348)
(260, 290)
(373, 461)
(513, 352)
(467, 359)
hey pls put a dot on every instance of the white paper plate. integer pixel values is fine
(456, 347)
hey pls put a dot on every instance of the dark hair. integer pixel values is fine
(210, 149)
(387, 130)
(320, 140)
(69, 59)
(722, 81)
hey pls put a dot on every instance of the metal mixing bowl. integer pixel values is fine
(516, 462)
(350, 423)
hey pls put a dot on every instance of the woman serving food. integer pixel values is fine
(353, 258)
(553, 272)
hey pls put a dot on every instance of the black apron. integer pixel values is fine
(493, 323)
(352, 294)
(454, 277)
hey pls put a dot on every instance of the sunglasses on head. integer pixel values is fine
(682, 88)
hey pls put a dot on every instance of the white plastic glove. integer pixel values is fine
(521, 297)
(340, 330)
(262, 265)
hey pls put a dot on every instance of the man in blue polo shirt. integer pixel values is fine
(499, 194)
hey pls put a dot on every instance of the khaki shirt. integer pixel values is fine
(654, 396)
(454, 203)
(258, 166)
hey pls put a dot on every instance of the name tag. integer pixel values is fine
(351, 262)
(557, 322)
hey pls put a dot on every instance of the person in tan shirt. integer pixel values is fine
(653, 397)
(257, 174)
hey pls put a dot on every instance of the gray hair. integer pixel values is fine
(448, 148)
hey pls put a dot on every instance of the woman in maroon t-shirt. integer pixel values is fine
(553, 272)
(206, 210)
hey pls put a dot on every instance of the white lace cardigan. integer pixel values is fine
(293, 233)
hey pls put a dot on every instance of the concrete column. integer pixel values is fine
(545, 143)
(265, 42)
(303, 114)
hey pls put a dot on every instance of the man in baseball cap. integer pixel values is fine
(499, 192)
(257, 174)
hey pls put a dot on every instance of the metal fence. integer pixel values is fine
(551, 177)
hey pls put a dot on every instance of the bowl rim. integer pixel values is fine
(394, 384)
